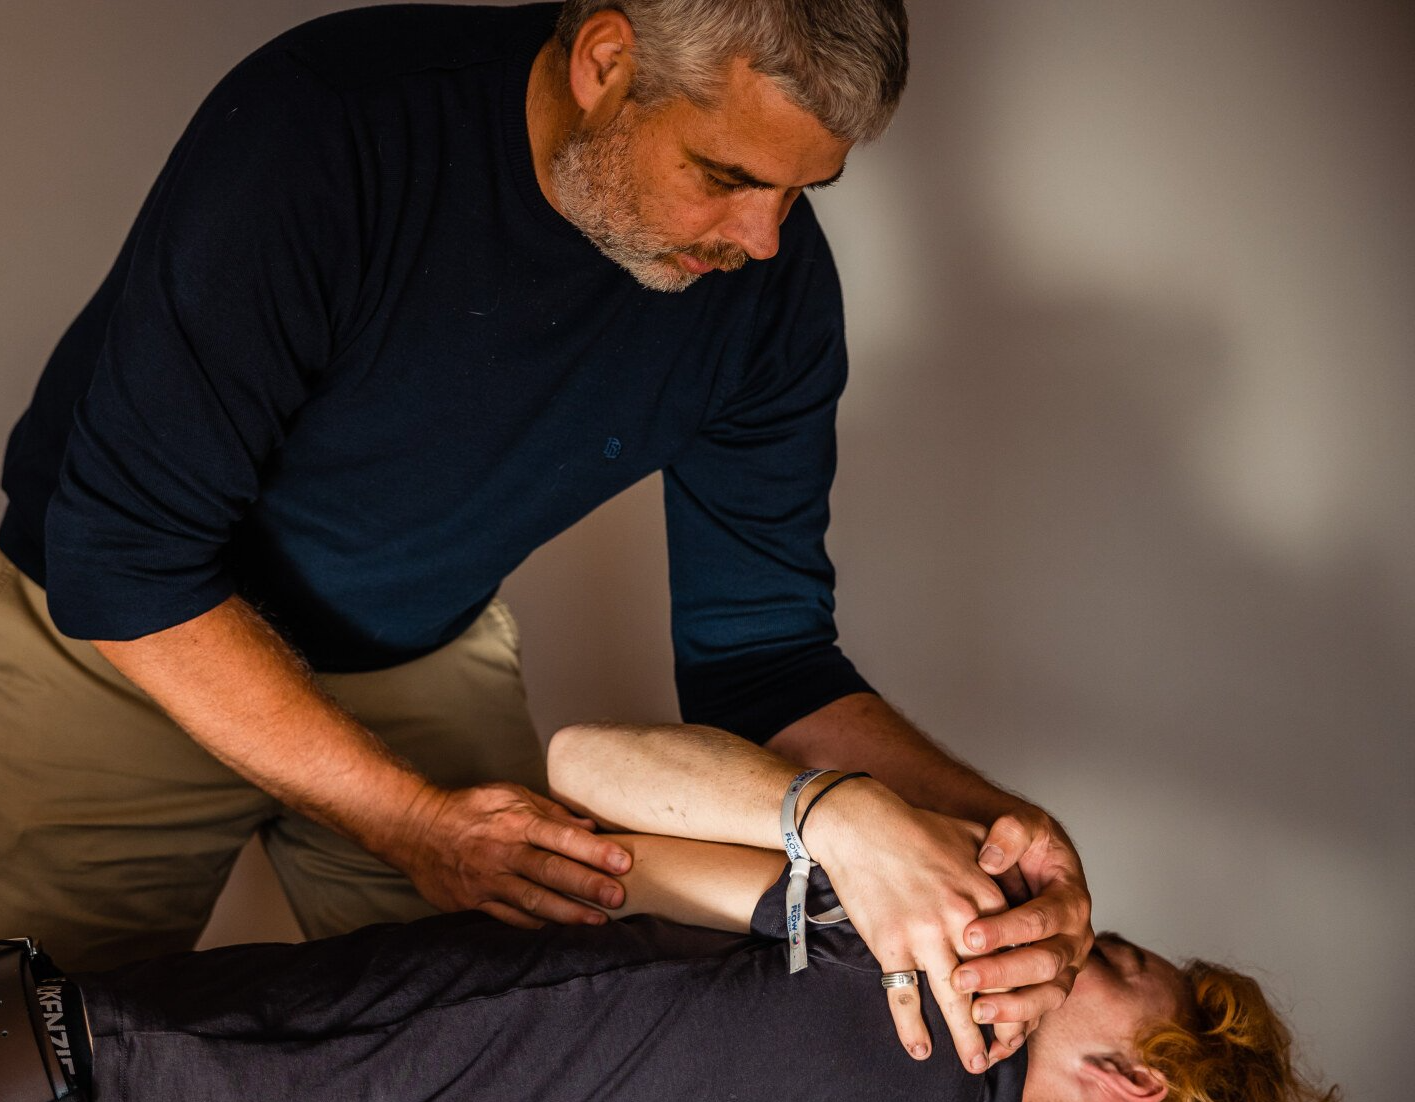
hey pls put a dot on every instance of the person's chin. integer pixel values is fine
(662, 273)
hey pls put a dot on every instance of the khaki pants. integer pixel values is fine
(117, 831)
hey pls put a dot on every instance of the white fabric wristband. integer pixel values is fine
(801, 865)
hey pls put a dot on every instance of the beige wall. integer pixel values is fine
(1125, 504)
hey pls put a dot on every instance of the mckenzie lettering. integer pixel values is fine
(51, 1003)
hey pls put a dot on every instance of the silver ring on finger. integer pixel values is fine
(899, 979)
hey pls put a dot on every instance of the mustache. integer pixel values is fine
(719, 254)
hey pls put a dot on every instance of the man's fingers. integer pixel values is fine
(1056, 911)
(577, 844)
(570, 877)
(957, 1013)
(1004, 845)
(1014, 886)
(1006, 1039)
(509, 915)
(1020, 1007)
(541, 903)
(906, 1008)
(561, 812)
(1020, 967)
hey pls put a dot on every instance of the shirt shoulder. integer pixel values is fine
(365, 46)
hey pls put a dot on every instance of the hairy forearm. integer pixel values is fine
(862, 732)
(241, 693)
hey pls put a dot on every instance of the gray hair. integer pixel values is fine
(844, 61)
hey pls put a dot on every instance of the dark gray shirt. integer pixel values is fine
(461, 1007)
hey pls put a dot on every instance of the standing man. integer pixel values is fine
(396, 312)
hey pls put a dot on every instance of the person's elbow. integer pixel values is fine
(567, 746)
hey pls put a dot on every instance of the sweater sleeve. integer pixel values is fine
(747, 508)
(241, 267)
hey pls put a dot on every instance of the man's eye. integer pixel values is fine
(718, 184)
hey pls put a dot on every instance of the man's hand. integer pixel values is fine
(505, 850)
(911, 883)
(1052, 928)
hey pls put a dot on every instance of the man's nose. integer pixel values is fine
(755, 222)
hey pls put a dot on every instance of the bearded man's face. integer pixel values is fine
(595, 181)
(673, 193)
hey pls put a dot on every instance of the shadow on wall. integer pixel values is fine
(1054, 555)
(1220, 710)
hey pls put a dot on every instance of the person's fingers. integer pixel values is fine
(1060, 911)
(577, 844)
(509, 915)
(560, 811)
(1025, 1004)
(1007, 839)
(541, 903)
(1014, 886)
(1019, 967)
(957, 1011)
(1006, 1039)
(569, 877)
(906, 1008)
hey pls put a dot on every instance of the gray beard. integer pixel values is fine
(596, 190)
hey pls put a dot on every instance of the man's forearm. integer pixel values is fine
(238, 689)
(863, 732)
(244, 696)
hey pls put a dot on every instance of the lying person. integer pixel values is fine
(461, 1007)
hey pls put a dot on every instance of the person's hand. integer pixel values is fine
(510, 852)
(1051, 929)
(910, 881)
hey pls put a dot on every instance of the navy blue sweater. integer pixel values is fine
(351, 365)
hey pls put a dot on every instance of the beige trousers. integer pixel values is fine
(117, 831)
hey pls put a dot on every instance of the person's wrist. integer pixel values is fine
(400, 826)
(849, 817)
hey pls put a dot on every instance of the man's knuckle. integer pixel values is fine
(565, 836)
(1010, 827)
(1078, 911)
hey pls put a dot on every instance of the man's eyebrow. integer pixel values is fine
(736, 174)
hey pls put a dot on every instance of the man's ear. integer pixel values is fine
(1119, 1079)
(602, 63)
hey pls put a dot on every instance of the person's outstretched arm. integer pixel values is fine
(908, 878)
(698, 883)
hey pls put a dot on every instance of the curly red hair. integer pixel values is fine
(1232, 1047)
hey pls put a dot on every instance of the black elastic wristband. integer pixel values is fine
(801, 826)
